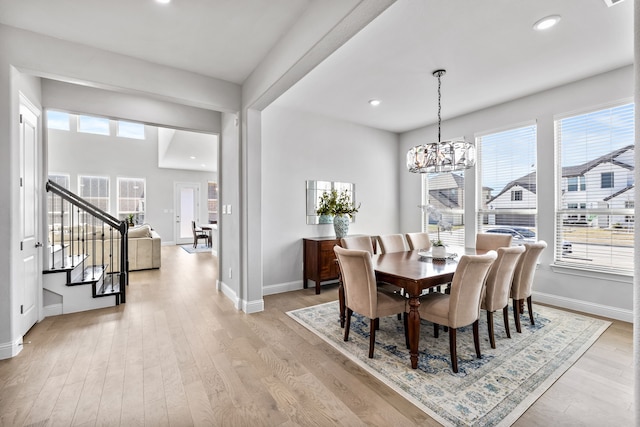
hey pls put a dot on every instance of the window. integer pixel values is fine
(131, 199)
(576, 183)
(507, 173)
(130, 130)
(443, 207)
(606, 180)
(212, 202)
(95, 189)
(599, 147)
(95, 125)
(55, 208)
(57, 120)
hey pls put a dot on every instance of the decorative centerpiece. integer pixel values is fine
(438, 248)
(326, 205)
(340, 207)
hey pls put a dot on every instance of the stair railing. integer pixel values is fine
(82, 215)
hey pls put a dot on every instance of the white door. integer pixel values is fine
(29, 273)
(186, 197)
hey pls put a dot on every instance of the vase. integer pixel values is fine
(341, 225)
(439, 252)
(325, 219)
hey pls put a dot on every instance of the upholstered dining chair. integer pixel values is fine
(391, 243)
(362, 243)
(498, 287)
(522, 285)
(462, 306)
(491, 241)
(418, 241)
(198, 234)
(362, 294)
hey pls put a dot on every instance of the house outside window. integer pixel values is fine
(599, 147)
(606, 180)
(576, 183)
(506, 169)
(443, 207)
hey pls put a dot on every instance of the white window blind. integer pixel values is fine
(507, 183)
(95, 189)
(595, 197)
(443, 207)
(212, 202)
(132, 199)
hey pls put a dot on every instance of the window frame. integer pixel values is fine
(139, 215)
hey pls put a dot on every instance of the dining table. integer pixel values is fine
(414, 271)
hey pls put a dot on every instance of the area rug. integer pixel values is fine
(492, 391)
(200, 248)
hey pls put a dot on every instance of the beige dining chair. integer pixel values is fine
(362, 294)
(491, 241)
(392, 243)
(418, 241)
(498, 287)
(362, 243)
(522, 285)
(462, 306)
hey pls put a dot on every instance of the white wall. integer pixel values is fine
(76, 153)
(298, 146)
(609, 295)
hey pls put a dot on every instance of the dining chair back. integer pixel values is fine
(498, 287)
(462, 306)
(491, 241)
(418, 241)
(392, 243)
(522, 285)
(361, 293)
(198, 234)
(362, 243)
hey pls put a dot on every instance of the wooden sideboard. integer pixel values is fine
(319, 260)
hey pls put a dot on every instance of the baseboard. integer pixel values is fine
(229, 293)
(10, 349)
(584, 306)
(282, 287)
(253, 306)
(52, 310)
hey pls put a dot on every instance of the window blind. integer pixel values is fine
(595, 197)
(443, 207)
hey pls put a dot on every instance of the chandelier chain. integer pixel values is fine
(439, 106)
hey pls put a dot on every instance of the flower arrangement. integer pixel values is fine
(436, 215)
(332, 203)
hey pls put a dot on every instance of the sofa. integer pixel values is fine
(144, 245)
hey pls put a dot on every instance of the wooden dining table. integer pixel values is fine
(413, 273)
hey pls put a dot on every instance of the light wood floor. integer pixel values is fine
(178, 353)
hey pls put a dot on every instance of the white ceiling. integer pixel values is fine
(488, 47)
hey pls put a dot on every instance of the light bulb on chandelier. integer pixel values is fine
(441, 156)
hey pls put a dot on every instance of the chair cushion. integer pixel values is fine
(434, 307)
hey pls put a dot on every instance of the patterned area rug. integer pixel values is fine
(492, 391)
(200, 248)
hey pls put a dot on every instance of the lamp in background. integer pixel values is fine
(441, 156)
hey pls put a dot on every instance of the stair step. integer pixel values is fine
(69, 262)
(90, 275)
(109, 286)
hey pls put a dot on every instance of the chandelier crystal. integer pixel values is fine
(441, 156)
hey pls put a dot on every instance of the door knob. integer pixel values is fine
(38, 245)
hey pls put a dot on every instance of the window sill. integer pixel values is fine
(593, 274)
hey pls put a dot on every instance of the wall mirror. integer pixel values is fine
(314, 192)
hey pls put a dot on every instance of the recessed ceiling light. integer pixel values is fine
(374, 102)
(192, 157)
(203, 165)
(164, 1)
(546, 22)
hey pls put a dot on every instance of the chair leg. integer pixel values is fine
(453, 350)
(505, 315)
(341, 302)
(436, 330)
(492, 338)
(476, 337)
(530, 308)
(372, 336)
(347, 324)
(516, 314)
(377, 323)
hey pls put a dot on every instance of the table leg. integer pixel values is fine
(414, 330)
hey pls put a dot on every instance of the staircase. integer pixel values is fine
(87, 265)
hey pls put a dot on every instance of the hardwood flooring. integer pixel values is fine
(177, 353)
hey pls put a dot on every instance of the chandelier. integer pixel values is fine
(441, 156)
